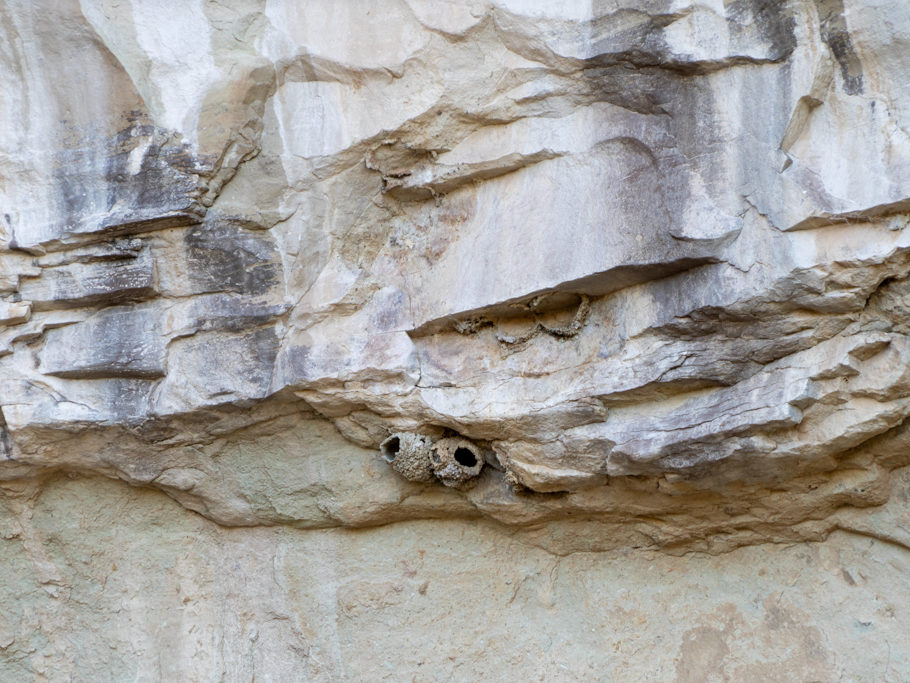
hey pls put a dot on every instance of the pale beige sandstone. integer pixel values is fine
(106, 582)
(650, 257)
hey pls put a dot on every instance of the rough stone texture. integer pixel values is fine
(456, 462)
(651, 258)
(409, 455)
(105, 582)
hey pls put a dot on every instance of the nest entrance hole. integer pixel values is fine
(390, 448)
(465, 457)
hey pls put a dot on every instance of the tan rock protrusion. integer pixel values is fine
(456, 461)
(409, 455)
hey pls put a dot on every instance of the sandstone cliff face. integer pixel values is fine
(610, 274)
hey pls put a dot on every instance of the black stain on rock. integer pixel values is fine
(223, 257)
(250, 356)
(834, 32)
(231, 367)
(6, 443)
(236, 314)
(120, 341)
(100, 282)
(636, 38)
(138, 180)
(295, 366)
(770, 19)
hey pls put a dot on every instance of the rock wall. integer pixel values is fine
(106, 582)
(503, 283)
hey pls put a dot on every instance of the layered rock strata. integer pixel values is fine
(648, 260)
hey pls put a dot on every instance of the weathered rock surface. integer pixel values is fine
(599, 241)
(647, 264)
(106, 582)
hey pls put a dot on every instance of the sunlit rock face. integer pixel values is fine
(489, 339)
(643, 259)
